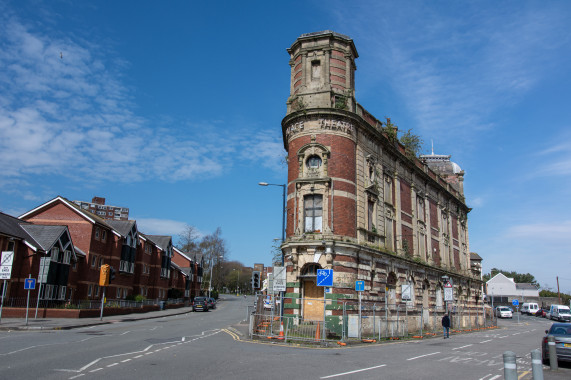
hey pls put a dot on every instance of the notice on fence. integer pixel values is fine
(353, 326)
(279, 279)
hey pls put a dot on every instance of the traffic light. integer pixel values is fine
(111, 274)
(255, 280)
(104, 275)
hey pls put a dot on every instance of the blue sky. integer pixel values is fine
(173, 109)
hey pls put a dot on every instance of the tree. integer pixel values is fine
(276, 253)
(213, 248)
(412, 143)
(188, 239)
(390, 129)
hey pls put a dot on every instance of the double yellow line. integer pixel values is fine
(232, 334)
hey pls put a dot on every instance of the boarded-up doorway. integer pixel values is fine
(312, 301)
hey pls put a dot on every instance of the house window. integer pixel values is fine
(118, 293)
(100, 262)
(389, 240)
(103, 235)
(93, 261)
(313, 212)
(89, 290)
(420, 208)
(422, 245)
(74, 265)
(96, 290)
(55, 254)
(67, 257)
(96, 233)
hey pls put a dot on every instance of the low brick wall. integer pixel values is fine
(20, 312)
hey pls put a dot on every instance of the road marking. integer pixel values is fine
(138, 356)
(350, 372)
(76, 376)
(486, 341)
(125, 361)
(126, 332)
(523, 374)
(457, 348)
(96, 369)
(112, 365)
(502, 337)
(422, 356)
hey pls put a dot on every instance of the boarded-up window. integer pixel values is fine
(315, 70)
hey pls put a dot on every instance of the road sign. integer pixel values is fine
(279, 279)
(515, 302)
(406, 290)
(30, 284)
(360, 286)
(6, 265)
(325, 277)
(448, 292)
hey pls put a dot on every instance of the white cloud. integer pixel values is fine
(152, 226)
(555, 232)
(69, 114)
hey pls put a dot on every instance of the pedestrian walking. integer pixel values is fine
(446, 326)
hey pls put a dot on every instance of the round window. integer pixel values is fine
(314, 162)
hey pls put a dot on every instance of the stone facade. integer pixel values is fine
(357, 203)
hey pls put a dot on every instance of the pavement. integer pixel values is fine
(15, 324)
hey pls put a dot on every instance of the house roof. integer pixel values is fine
(122, 226)
(475, 256)
(46, 236)
(161, 241)
(10, 226)
(525, 286)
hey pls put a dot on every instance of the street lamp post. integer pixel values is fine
(284, 186)
(210, 281)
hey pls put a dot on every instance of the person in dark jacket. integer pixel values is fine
(446, 326)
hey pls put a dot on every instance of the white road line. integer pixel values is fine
(138, 356)
(76, 376)
(502, 337)
(486, 341)
(496, 377)
(422, 356)
(96, 369)
(457, 348)
(350, 372)
(112, 365)
(126, 332)
(125, 361)
(484, 378)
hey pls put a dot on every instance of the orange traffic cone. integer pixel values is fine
(281, 336)
(318, 333)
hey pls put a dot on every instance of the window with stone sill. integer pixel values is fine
(313, 212)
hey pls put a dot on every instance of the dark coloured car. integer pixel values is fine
(200, 304)
(562, 334)
(211, 303)
(540, 313)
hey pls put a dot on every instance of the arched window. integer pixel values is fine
(313, 162)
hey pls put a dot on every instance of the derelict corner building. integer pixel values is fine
(359, 204)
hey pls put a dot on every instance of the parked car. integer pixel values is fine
(560, 313)
(562, 334)
(541, 313)
(504, 312)
(211, 303)
(200, 303)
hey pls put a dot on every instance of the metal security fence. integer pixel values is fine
(319, 320)
(20, 302)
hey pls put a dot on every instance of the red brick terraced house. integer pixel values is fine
(31, 244)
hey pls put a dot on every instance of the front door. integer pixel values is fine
(312, 301)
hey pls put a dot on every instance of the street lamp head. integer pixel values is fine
(263, 183)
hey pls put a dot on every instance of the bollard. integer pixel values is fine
(536, 365)
(510, 366)
(552, 353)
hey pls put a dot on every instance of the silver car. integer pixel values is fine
(562, 334)
(503, 312)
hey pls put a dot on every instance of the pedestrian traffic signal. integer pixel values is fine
(255, 280)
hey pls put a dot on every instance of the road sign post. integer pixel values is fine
(360, 287)
(42, 278)
(29, 284)
(325, 279)
(516, 304)
(5, 273)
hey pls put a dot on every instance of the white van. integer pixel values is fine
(560, 313)
(529, 308)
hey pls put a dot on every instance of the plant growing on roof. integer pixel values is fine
(390, 129)
(412, 144)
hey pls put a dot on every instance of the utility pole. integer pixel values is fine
(558, 294)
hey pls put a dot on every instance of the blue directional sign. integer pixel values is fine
(360, 286)
(30, 284)
(325, 277)
(515, 302)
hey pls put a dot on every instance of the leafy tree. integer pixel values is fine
(390, 129)
(412, 143)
